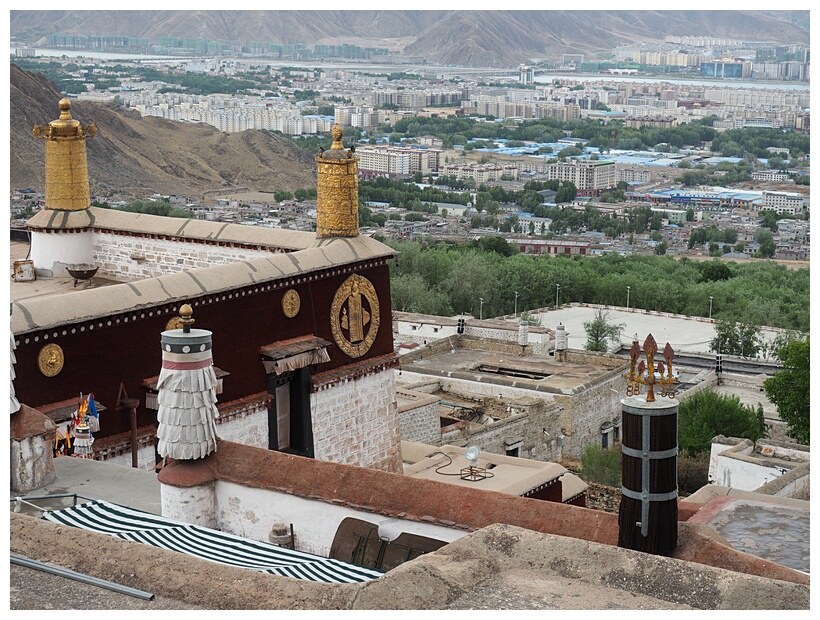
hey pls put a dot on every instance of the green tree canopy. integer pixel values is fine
(731, 338)
(789, 389)
(706, 414)
(602, 332)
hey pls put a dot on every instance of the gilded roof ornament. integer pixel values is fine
(337, 197)
(67, 186)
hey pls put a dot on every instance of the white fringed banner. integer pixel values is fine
(186, 396)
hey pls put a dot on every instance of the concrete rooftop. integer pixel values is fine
(475, 364)
(685, 334)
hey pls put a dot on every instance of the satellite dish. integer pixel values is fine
(471, 454)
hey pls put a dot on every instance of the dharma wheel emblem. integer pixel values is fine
(291, 303)
(354, 316)
(50, 360)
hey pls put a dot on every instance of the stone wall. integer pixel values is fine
(581, 417)
(588, 410)
(602, 497)
(121, 455)
(359, 424)
(130, 257)
(418, 417)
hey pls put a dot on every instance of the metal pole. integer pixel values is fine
(480, 309)
(515, 310)
(557, 286)
(710, 308)
(627, 297)
(70, 574)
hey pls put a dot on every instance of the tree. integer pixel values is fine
(733, 338)
(789, 389)
(601, 331)
(661, 248)
(706, 414)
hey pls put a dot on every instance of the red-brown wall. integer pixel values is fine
(128, 351)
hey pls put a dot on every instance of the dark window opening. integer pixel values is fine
(289, 422)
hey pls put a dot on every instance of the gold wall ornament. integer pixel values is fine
(337, 190)
(66, 163)
(50, 360)
(174, 323)
(354, 316)
(291, 303)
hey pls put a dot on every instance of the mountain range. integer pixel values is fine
(134, 156)
(467, 38)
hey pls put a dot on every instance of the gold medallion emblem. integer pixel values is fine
(291, 303)
(354, 316)
(50, 360)
(174, 323)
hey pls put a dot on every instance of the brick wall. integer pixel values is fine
(359, 424)
(248, 426)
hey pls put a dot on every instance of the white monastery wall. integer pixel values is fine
(51, 252)
(252, 513)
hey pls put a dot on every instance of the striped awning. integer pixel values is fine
(215, 546)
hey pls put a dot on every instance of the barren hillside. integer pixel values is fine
(469, 38)
(132, 155)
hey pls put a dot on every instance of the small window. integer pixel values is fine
(605, 440)
(516, 452)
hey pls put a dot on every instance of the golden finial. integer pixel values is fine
(336, 132)
(65, 106)
(185, 314)
(644, 373)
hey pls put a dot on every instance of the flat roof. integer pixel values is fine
(533, 372)
(506, 474)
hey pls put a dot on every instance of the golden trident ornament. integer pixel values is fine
(644, 373)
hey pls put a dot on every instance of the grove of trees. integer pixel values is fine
(455, 277)
(789, 389)
(707, 414)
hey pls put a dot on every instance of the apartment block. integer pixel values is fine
(481, 173)
(383, 161)
(788, 203)
(589, 177)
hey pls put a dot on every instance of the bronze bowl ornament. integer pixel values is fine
(81, 272)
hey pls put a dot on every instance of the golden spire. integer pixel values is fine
(66, 164)
(337, 195)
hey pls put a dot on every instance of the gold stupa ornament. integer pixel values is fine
(66, 163)
(337, 209)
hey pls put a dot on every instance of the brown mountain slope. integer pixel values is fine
(469, 38)
(506, 38)
(134, 156)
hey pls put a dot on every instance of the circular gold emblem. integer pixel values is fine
(50, 360)
(291, 303)
(354, 316)
(174, 323)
